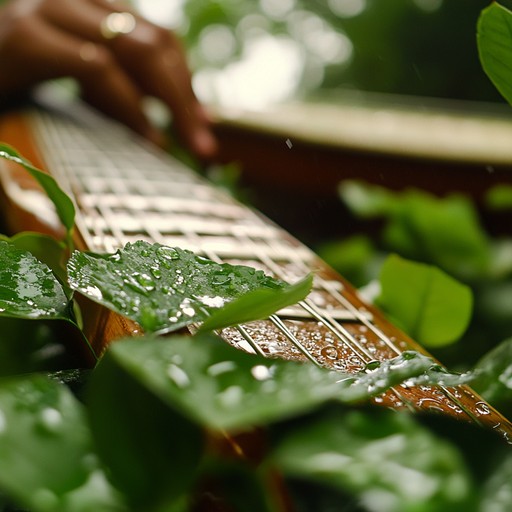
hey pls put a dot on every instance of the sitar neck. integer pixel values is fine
(126, 190)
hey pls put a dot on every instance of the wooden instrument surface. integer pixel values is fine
(126, 190)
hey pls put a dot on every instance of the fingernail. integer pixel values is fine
(205, 144)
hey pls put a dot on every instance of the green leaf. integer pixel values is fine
(367, 201)
(162, 288)
(429, 305)
(222, 388)
(151, 450)
(63, 204)
(444, 232)
(494, 38)
(499, 197)
(218, 386)
(383, 459)
(355, 258)
(47, 461)
(494, 375)
(47, 250)
(28, 288)
(258, 304)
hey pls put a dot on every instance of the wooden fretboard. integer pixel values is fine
(126, 190)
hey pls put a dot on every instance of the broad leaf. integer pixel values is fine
(152, 451)
(445, 231)
(384, 460)
(47, 462)
(216, 385)
(499, 197)
(355, 258)
(428, 304)
(221, 387)
(46, 249)
(367, 201)
(28, 288)
(162, 288)
(494, 38)
(442, 231)
(63, 204)
(258, 304)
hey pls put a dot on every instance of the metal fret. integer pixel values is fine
(127, 191)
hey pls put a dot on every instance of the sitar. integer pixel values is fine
(127, 190)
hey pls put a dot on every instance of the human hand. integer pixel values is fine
(46, 39)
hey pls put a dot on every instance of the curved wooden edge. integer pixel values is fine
(100, 325)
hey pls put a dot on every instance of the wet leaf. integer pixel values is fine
(429, 305)
(151, 450)
(410, 368)
(162, 288)
(46, 249)
(28, 288)
(385, 461)
(220, 387)
(47, 462)
(494, 38)
(63, 204)
(258, 304)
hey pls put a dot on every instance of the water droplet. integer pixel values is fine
(178, 376)
(190, 312)
(261, 372)
(145, 281)
(3, 422)
(231, 396)
(50, 419)
(221, 279)
(168, 253)
(329, 352)
(482, 409)
(213, 302)
(157, 273)
(220, 368)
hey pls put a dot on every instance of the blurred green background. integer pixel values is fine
(250, 54)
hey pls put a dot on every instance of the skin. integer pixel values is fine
(47, 39)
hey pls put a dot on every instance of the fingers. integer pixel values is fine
(63, 37)
(153, 59)
(156, 63)
(44, 52)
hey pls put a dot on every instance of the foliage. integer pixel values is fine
(494, 26)
(444, 232)
(142, 435)
(431, 306)
(170, 287)
(368, 46)
(161, 421)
